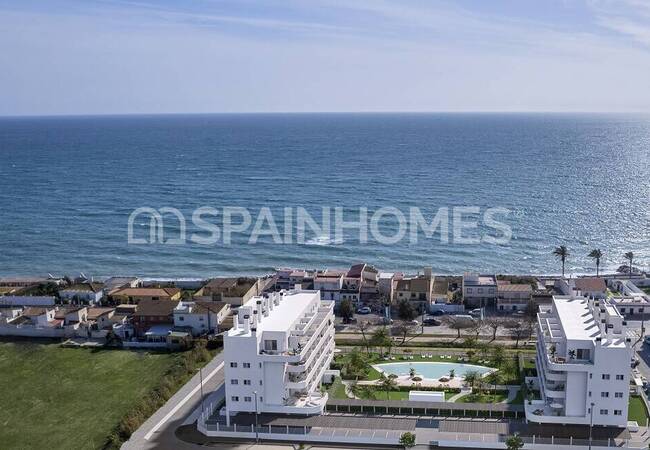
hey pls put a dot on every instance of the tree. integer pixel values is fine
(355, 364)
(630, 257)
(471, 377)
(561, 253)
(407, 440)
(498, 356)
(380, 339)
(483, 348)
(476, 326)
(597, 255)
(520, 330)
(406, 311)
(387, 383)
(364, 326)
(346, 310)
(452, 373)
(514, 442)
(403, 329)
(494, 323)
(457, 324)
(493, 379)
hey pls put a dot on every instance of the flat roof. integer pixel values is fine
(576, 319)
(291, 308)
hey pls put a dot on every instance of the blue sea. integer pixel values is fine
(69, 184)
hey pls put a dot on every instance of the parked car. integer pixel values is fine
(475, 312)
(438, 312)
(415, 322)
(364, 310)
(431, 321)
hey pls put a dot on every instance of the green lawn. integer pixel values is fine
(637, 410)
(67, 398)
(372, 393)
(483, 398)
(337, 390)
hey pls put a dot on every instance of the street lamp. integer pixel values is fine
(257, 436)
(591, 422)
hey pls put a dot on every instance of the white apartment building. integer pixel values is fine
(276, 353)
(583, 363)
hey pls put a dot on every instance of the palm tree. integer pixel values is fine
(388, 383)
(630, 257)
(561, 252)
(471, 376)
(596, 254)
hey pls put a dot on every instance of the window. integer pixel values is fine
(620, 377)
(604, 412)
(234, 398)
(270, 344)
(622, 310)
(260, 365)
(261, 383)
(605, 376)
(201, 318)
(591, 375)
(618, 395)
(604, 394)
(618, 412)
(247, 399)
(247, 365)
(233, 365)
(583, 353)
(247, 382)
(234, 381)
(589, 393)
(181, 318)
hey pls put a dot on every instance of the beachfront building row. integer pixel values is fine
(583, 364)
(277, 352)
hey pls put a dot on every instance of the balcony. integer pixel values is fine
(303, 404)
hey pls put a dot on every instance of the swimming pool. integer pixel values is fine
(431, 369)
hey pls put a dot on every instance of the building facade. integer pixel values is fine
(276, 353)
(479, 290)
(583, 364)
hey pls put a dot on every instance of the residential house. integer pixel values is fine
(513, 296)
(368, 277)
(89, 293)
(38, 317)
(386, 285)
(479, 290)
(235, 291)
(136, 295)
(114, 283)
(100, 318)
(330, 285)
(201, 317)
(27, 300)
(416, 289)
(154, 312)
(590, 287)
(72, 315)
(440, 290)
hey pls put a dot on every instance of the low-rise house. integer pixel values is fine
(137, 295)
(73, 315)
(22, 281)
(235, 291)
(479, 290)
(440, 290)
(417, 290)
(632, 308)
(386, 286)
(153, 312)
(114, 283)
(181, 283)
(368, 277)
(592, 287)
(330, 285)
(38, 317)
(201, 317)
(513, 297)
(100, 318)
(89, 293)
(351, 289)
(27, 300)
(8, 313)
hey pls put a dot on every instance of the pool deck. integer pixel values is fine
(405, 380)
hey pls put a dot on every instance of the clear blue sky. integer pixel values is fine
(115, 56)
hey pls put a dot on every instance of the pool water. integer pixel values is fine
(431, 369)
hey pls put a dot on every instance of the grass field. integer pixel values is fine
(65, 398)
(637, 411)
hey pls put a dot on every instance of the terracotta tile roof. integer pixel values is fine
(147, 292)
(94, 313)
(149, 307)
(591, 284)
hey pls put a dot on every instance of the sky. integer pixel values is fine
(203, 56)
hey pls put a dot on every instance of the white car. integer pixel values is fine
(364, 310)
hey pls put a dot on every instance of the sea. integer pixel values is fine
(69, 185)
